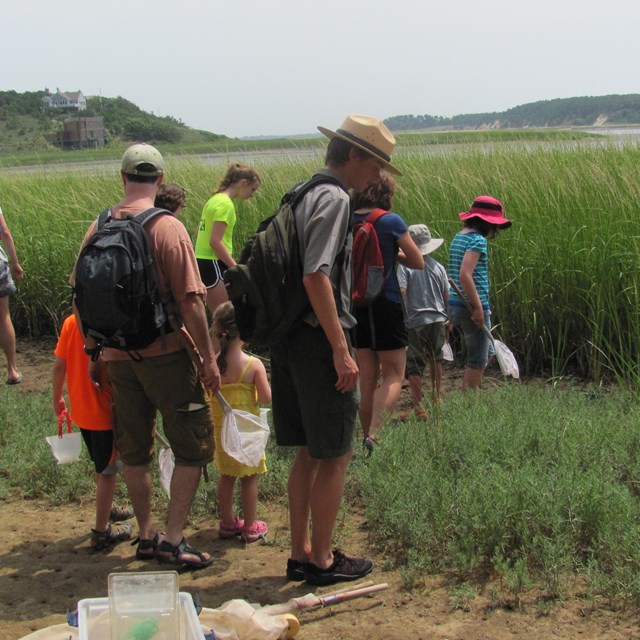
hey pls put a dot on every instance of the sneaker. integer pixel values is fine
(115, 533)
(342, 569)
(118, 514)
(228, 530)
(258, 530)
(295, 570)
(368, 445)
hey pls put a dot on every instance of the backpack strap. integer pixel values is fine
(375, 215)
(103, 218)
(299, 191)
(148, 214)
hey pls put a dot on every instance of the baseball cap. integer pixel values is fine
(142, 160)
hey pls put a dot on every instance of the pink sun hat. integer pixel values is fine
(488, 209)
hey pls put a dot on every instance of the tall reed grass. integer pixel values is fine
(565, 289)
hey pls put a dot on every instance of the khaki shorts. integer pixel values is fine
(425, 344)
(167, 384)
(308, 410)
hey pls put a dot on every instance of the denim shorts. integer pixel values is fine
(7, 287)
(476, 342)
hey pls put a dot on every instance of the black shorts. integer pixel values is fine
(100, 448)
(308, 410)
(380, 326)
(211, 271)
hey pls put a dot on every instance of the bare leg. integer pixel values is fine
(225, 498)
(138, 481)
(472, 378)
(301, 480)
(369, 366)
(8, 339)
(216, 296)
(436, 381)
(393, 364)
(184, 484)
(249, 496)
(415, 386)
(105, 491)
(326, 497)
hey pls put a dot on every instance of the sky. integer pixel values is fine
(282, 67)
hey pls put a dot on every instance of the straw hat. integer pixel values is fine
(488, 209)
(370, 135)
(421, 235)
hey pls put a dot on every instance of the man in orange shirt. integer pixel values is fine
(91, 411)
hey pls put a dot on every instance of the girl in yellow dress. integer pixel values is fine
(244, 386)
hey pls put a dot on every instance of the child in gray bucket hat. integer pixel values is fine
(425, 293)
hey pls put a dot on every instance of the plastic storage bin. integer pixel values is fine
(140, 606)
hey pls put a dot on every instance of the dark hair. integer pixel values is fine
(237, 172)
(225, 330)
(377, 194)
(338, 152)
(131, 177)
(170, 196)
(481, 226)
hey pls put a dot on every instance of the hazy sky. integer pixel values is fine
(284, 66)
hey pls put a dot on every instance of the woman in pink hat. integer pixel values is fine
(469, 269)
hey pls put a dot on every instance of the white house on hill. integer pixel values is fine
(71, 100)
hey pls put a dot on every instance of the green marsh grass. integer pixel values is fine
(564, 277)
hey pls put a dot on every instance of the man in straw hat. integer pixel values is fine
(161, 377)
(425, 293)
(313, 373)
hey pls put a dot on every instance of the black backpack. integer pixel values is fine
(116, 290)
(265, 286)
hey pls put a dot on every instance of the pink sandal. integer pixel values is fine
(230, 530)
(258, 530)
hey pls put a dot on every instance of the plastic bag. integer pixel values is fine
(66, 447)
(244, 436)
(447, 352)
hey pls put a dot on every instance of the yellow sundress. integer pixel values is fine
(239, 395)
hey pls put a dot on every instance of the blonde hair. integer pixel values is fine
(225, 330)
(237, 172)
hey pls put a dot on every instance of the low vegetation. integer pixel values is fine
(536, 487)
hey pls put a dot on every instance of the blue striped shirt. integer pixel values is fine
(463, 242)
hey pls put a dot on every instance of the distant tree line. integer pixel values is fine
(561, 112)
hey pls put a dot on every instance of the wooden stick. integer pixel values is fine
(355, 593)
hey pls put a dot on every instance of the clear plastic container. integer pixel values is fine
(144, 605)
(94, 620)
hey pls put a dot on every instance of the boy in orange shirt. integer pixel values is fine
(91, 411)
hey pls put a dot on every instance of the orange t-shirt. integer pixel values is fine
(90, 409)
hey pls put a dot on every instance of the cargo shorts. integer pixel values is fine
(307, 408)
(168, 384)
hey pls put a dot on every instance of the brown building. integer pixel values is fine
(81, 133)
